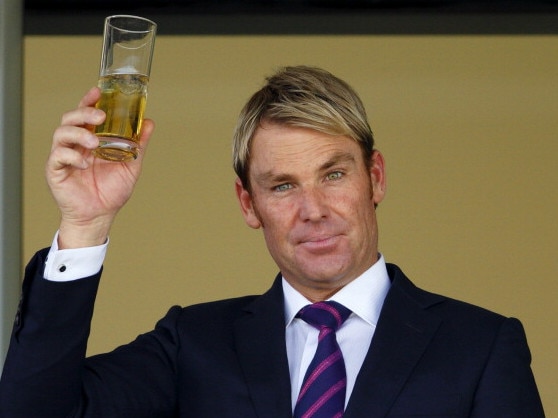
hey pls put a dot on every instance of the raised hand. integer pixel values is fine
(89, 191)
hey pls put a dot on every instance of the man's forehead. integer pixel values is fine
(275, 137)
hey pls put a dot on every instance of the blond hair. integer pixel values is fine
(305, 97)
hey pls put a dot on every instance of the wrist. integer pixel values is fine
(80, 235)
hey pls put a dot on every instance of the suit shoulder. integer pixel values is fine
(441, 305)
(211, 313)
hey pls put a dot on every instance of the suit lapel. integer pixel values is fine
(260, 343)
(403, 332)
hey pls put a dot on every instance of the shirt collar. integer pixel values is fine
(364, 296)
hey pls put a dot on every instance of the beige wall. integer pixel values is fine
(468, 127)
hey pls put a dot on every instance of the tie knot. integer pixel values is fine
(328, 314)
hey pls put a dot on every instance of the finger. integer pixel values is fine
(83, 116)
(71, 136)
(146, 131)
(63, 157)
(90, 98)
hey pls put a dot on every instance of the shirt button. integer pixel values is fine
(62, 268)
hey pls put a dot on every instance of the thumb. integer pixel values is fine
(147, 129)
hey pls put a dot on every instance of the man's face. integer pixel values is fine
(313, 196)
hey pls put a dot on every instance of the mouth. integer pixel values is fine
(320, 244)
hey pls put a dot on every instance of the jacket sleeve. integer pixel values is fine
(46, 373)
(41, 375)
(507, 387)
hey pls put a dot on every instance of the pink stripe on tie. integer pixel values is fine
(324, 398)
(324, 332)
(318, 371)
(334, 312)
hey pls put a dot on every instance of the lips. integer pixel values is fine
(321, 243)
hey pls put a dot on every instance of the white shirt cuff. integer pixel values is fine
(73, 264)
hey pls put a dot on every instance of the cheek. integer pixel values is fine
(278, 222)
(270, 214)
(355, 209)
(352, 203)
(277, 240)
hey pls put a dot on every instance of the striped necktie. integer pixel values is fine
(322, 394)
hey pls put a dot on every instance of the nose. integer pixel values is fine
(313, 205)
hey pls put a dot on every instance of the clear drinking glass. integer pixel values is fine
(126, 57)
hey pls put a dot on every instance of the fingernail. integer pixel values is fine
(99, 114)
(93, 140)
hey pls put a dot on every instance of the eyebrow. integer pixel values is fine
(337, 158)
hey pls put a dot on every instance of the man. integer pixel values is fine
(310, 178)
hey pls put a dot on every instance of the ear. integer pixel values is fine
(246, 205)
(378, 177)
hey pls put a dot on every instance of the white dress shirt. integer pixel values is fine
(364, 296)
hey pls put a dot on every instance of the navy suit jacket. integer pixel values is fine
(431, 356)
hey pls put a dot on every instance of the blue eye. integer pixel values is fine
(335, 175)
(283, 187)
